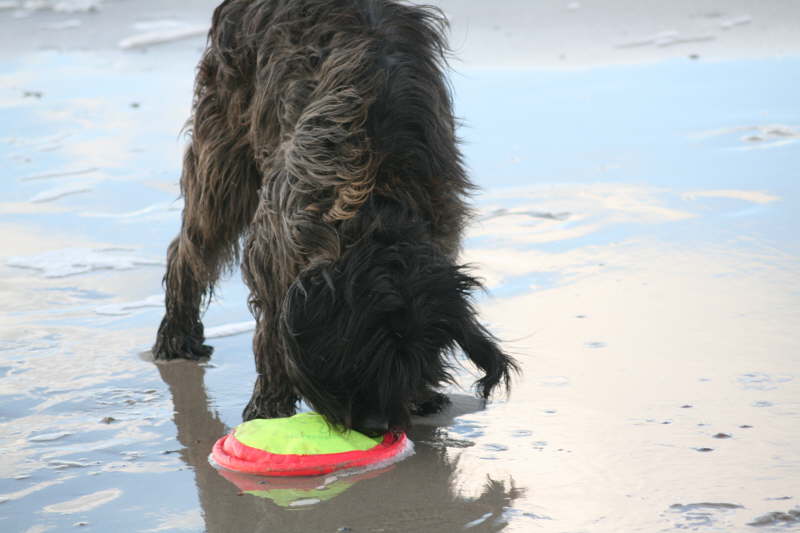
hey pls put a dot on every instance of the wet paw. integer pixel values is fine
(261, 409)
(431, 405)
(168, 348)
(180, 339)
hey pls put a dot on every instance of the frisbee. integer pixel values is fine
(304, 445)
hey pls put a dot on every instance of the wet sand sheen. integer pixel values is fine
(637, 242)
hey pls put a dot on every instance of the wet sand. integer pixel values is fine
(637, 231)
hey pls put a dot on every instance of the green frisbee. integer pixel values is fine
(304, 445)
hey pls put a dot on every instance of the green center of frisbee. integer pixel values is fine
(301, 434)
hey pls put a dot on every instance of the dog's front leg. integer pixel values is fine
(273, 395)
(264, 271)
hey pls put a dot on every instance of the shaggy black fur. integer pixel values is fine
(323, 132)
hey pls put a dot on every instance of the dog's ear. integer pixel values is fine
(482, 348)
(308, 316)
(345, 359)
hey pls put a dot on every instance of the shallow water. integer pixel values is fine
(638, 234)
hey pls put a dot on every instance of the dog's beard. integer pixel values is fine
(375, 331)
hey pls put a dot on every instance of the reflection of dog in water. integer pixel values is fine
(323, 133)
(395, 500)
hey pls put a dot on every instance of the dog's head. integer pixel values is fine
(373, 331)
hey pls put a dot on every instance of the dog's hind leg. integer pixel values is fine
(180, 334)
(219, 183)
(206, 245)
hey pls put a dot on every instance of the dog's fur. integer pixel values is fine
(323, 132)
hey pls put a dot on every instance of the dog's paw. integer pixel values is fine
(259, 408)
(430, 405)
(168, 348)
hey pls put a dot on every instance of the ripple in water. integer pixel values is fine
(703, 514)
(777, 518)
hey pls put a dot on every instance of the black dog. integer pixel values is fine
(323, 134)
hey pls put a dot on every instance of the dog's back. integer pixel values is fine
(338, 116)
(342, 99)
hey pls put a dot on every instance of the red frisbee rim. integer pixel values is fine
(229, 453)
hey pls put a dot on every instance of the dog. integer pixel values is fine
(323, 157)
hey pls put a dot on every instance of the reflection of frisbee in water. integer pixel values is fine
(298, 491)
(304, 445)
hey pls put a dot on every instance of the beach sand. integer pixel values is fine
(636, 229)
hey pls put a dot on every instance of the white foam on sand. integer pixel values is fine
(756, 197)
(60, 174)
(161, 36)
(666, 38)
(84, 503)
(48, 437)
(62, 24)
(736, 21)
(73, 261)
(158, 24)
(478, 521)
(62, 6)
(757, 137)
(126, 308)
(228, 330)
(59, 192)
(155, 208)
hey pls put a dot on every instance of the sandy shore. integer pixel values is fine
(636, 229)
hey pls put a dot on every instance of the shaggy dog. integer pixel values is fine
(323, 156)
